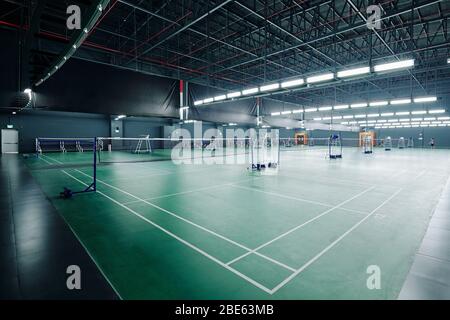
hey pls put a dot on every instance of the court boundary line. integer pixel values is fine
(331, 245)
(275, 194)
(245, 248)
(188, 192)
(185, 242)
(191, 223)
(254, 251)
(89, 253)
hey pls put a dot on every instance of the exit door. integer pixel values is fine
(10, 141)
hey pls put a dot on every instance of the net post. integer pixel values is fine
(94, 184)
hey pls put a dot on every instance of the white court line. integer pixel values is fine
(234, 185)
(190, 222)
(190, 191)
(190, 245)
(299, 226)
(331, 245)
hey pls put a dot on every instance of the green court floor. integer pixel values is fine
(310, 231)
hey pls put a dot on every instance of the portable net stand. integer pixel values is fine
(388, 144)
(410, 142)
(401, 143)
(49, 146)
(368, 145)
(335, 146)
(265, 151)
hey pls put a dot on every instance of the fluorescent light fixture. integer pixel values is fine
(198, 102)
(392, 120)
(234, 94)
(364, 121)
(325, 108)
(436, 111)
(326, 118)
(416, 119)
(371, 121)
(9, 126)
(394, 65)
(387, 114)
(344, 122)
(27, 90)
(292, 83)
(14, 112)
(320, 78)
(378, 103)
(220, 98)
(310, 109)
(269, 87)
(120, 117)
(359, 116)
(286, 112)
(429, 119)
(249, 91)
(400, 101)
(358, 105)
(275, 113)
(297, 111)
(402, 113)
(419, 112)
(373, 115)
(341, 107)
(336, 117)
(231, 124)
(353, 72)
(352, 122)
(381, 121)
(448, 60)
(208, 100)
(348, 117)
(317, 119)
(404, 120)
(425, 99)
(265, 126)
(443, 118)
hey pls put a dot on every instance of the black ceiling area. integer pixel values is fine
(229, 45)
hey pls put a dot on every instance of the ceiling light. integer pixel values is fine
(286, 112)
(353, 72)
(348, 117)
(208, 100)
(400, 101)
(220, 98)
(436, 111)
(234, 94)
(292, 83)
(340, 107)
(250, 91)
(419, 112)
(358, 105)
(402, 113)
(394, 65)
(425, 99)
(319, 78)
(232, 124)
(373, 115)
(198, 102)
(378, 103)
(317, 119)
(325, 108)
(275, 113)
(359, 116)
(269, 87)
(310, 109)
(297, 111)
(387, 114)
